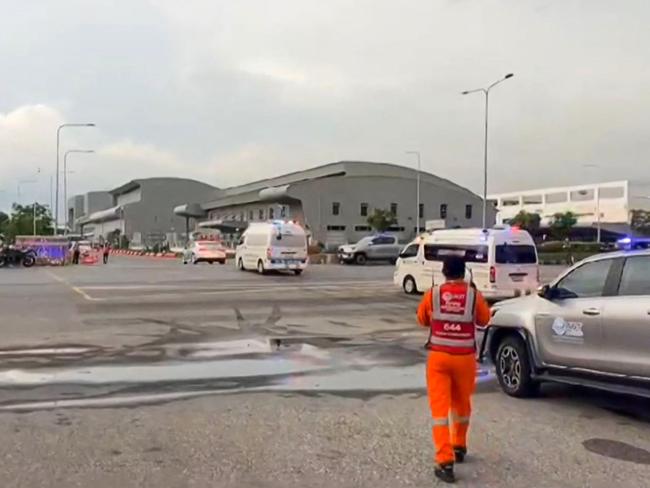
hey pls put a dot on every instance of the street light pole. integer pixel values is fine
(597, 196)
(417, 191)
(22, 182)
(486, 92)
(65, 182)
(58, 143)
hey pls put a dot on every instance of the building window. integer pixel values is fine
(443, 210)
(336, 227)
(532, 199)
(468, 211)
(393, 209)
(362, 228)
(271, 213)
(395, 228)
(510, 202)
(261, 214)
(558, 197)
(364, 210)
(421, 210)
(336, 208)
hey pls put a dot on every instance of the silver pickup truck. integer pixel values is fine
(589, 327)
(372, 248)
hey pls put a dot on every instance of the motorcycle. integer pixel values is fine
(13, 256)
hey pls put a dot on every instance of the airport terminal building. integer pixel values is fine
(333, 201)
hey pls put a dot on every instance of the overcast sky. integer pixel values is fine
(232, 90)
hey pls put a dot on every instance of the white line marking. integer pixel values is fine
(74, 288)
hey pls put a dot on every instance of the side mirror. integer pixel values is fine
(544, 291)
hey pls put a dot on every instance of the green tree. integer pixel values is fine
(640, 221)
(529, 221)
(562, 224)
(381, 220)
(21, 221)
(4, 220)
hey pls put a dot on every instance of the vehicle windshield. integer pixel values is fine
(515, 254)
(210, 244)
(364, 241)
(290, 240)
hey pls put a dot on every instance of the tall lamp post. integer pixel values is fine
(417, 191)
(65, 181)
(56, 196)
(486, 92)
(24, 182)
(597, 197)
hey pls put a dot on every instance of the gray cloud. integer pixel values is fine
(232, 90)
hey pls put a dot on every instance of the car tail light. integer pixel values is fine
(493, 274)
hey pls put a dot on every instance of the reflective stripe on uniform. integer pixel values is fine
(461, 343)
(440, 421)
(459, 420)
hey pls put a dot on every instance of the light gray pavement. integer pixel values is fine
(149, 373)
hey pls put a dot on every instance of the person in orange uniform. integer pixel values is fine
(452, 311)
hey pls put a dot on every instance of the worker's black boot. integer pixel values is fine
(460, 453)
(445, 472)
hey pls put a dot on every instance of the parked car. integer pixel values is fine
(502, 261)
(273, 246)
(589, 327)
(372, 248)
(204, 251)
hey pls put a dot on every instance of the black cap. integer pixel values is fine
(453, 267)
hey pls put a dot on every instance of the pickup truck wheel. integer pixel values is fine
(360, 259)
(514, 369)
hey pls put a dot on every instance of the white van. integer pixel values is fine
(277, 245)
(502, 261)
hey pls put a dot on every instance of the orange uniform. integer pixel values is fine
(451, 365)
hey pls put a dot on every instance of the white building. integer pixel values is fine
(612, 200)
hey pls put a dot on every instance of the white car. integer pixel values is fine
(502, 261)
(277, 245)
(204, 251)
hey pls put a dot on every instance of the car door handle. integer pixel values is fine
(591, 311)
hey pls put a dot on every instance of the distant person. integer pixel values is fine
(75, 253)
(107, 250)
(451, 311)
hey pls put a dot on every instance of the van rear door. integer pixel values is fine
(515, 266)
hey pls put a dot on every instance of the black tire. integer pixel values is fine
(29, 261)
(513, 368)
(360, 259)
(297, 272)
(260, 267)
(211, 262)
(223, 261)
(409, 286)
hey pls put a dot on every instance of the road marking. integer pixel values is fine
(74, 288)
(240, 285)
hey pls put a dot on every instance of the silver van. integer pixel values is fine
(589, 327)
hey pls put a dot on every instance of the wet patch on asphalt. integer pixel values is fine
(183, 361)
(618, 450)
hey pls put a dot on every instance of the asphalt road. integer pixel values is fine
(150, 373)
